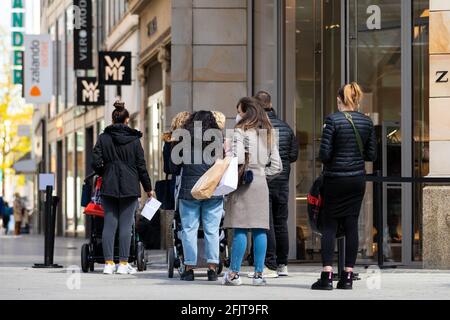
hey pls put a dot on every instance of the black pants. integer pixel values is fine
(330, 227)
(277, 236)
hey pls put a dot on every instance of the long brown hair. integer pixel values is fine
(351, 95)
(255, 117)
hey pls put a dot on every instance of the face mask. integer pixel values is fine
(238, 118)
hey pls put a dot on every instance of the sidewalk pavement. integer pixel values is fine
(19, 281)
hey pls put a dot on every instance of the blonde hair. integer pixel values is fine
(177, 123)
(220, 119)
(351, 95)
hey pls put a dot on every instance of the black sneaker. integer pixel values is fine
(212, 275)
(188, 275)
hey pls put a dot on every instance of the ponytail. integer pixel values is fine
(351, 95)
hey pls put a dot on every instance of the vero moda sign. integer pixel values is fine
(82, 36)
(114, 68)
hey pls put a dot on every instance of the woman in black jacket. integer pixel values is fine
(348, 140)
(119, 159)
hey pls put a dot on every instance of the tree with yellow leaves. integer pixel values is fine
(13, 113)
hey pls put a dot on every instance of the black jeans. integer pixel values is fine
(330, 227)
(277, 236)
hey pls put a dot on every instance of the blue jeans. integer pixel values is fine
(210, 212)
(240, 245)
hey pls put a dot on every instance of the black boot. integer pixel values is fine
(325, 282)
(188, 275)
(346, 281)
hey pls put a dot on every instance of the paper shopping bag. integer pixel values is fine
(229, 181)
(207, 184)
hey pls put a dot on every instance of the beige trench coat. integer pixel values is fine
(248, 206)
(17, 210)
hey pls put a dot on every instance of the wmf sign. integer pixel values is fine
(90, 92)
(114, 68)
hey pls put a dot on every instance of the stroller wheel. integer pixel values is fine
(220, 268)
(140, 256)
(85, 257)
(170, 262)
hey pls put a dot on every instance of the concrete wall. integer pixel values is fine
(209, 55)
(436, 200)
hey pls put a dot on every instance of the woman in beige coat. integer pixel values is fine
(248, 207)
(17, 209)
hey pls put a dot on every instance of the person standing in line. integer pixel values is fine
(255, 145)
(278, 236)
(119, 159)
(192, 211)
(348, 140)
(18, 213)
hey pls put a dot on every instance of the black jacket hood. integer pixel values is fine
(122, 134)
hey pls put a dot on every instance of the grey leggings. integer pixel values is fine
(118, 212)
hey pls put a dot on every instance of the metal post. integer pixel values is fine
(380, 233)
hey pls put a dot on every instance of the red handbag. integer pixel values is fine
(95, 208)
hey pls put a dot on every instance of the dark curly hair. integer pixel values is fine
(208, 122)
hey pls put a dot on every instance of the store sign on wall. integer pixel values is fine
(90, 92)
(38, 69)
(17, 34)
(114, 68)
(82, 35)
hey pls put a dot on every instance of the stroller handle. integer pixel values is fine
(90, 176)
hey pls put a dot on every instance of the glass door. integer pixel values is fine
(374, 60)
(318, 77)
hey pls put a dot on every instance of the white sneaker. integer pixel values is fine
(282, 270)
(259, 281)
(267, 273)
(125, 269)
(226, 281)
(109, 269)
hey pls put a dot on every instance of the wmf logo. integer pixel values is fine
(115, 68)
(90, 92)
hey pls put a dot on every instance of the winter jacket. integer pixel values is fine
(119, 158)
(339, 150)
(288, 148)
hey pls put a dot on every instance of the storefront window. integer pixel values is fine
(70, 184)
(79, 137)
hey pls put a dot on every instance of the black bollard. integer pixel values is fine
(51, 204)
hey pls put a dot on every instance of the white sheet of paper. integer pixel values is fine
(150, 208)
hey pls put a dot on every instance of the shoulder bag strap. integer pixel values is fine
(358, 136)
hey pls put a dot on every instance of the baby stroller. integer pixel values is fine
(92, 252)
(175, 251)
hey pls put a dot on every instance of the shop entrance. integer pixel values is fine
(338, 42)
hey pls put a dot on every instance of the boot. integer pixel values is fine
(325, 282)
(346, 281)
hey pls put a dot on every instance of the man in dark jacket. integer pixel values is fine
(277, 237)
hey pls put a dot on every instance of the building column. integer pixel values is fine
(436, 199)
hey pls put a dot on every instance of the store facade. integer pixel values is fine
(302, 51)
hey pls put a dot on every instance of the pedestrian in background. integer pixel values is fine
(277, 236)
(248, 207)
(119, 159)
(18, 213)
(7, 212)
(348, 140)
(209, 212)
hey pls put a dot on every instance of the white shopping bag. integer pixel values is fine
(229, 181)
(150, 208)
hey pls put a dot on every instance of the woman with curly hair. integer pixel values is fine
(192, 211)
